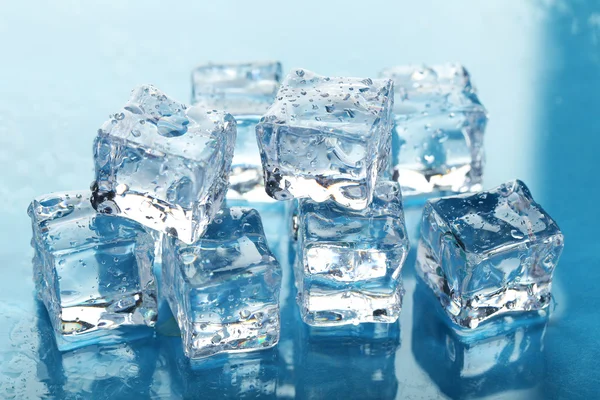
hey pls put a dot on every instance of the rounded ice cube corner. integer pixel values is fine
(489, 253)
(327, 138)
(163, 164)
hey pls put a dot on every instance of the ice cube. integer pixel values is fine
(93, 272)
(238, 88)
(245, 90)
(326, 138)
(438, 132)
(348, 262)
(489, 253)
(162, 164)
(224, 288)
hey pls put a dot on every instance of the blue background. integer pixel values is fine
(66, 66)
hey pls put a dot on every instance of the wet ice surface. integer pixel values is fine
(162, 164)
(245, 90)
(326, 137)
(438, 132)
(224, 288)
(489, 253)
(349, 262)
(93, 272)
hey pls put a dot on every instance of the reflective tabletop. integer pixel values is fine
(536, 65)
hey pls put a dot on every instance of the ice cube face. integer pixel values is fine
(326, 138)
(162, 164)
(348, 263)
(245, 90)
(489, 253)
(224, 288)
(438, 131)
(93, 272)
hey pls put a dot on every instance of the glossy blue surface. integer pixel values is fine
(536, 64)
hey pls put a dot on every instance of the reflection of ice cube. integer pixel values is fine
(349, 262)
(326, 138)
(245, 90)
(93, 272)
(438, 133)
(480, 365)
(233, 376)
(224, 288)
(163, 164)
(489, 253)
(97, 371)
(359, 360)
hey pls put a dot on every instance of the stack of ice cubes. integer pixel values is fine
(171, 213)
(325, 142)
(162, 172)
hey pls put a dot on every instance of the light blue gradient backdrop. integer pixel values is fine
(66, 66)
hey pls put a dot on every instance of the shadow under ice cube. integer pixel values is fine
(162, 164)
(224, 288)
(326, 138)
(244, 90)
(92, 272)
(348, 263)
(438, 133)
(489, 253)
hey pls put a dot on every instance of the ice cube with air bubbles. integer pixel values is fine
(489, 254)
(245, 90)
(349, 262)
(326, 138)
(437, 144)
(224, 288)
(93, 272)
(163, 164)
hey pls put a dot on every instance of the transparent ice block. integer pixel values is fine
(349, 262)
(489, 253)
(162, 164)
(224, 288)
(438, 132)
(326, 137)
(245, 90)
(93, 272)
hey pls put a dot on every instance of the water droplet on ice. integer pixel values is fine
(516, 234)
(122, 188)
